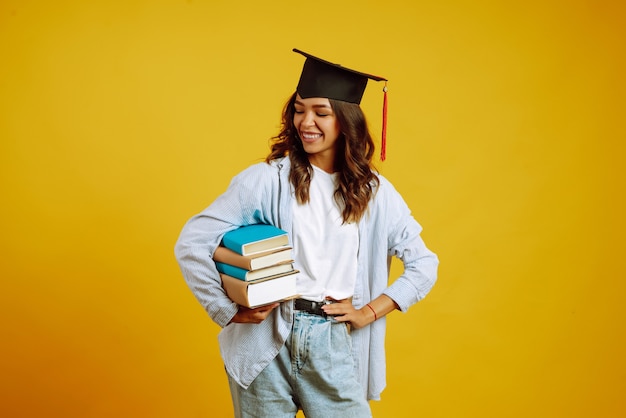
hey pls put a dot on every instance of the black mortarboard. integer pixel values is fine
(321, 78)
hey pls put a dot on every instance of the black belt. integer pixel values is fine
(310, 306)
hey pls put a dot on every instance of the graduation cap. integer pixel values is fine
(321, 78)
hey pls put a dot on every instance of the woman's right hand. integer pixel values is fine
(253, 316)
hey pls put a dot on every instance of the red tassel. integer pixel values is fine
(383, 140)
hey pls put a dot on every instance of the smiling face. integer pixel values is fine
(318, 129)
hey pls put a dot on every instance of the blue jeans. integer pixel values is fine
(314, 371)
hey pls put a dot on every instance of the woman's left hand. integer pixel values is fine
(344, 311)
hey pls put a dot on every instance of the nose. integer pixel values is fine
(308, 119)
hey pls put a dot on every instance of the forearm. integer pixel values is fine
(344, 311)
(379, 307)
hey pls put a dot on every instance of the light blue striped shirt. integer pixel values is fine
(262, 194)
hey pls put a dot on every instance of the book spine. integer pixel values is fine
(227, 256)
(232, 245)
(236, 289)
(231, 270)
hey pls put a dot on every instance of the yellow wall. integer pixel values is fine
(121, 119)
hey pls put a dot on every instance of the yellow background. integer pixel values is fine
(121, 119)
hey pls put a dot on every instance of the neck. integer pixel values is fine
(324, 162)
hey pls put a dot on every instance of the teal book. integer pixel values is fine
(251, 275)
(252, 239)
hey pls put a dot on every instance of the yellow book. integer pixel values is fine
(260, 292)
(256, 261)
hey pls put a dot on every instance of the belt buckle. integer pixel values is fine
(314, 307)
(319, 305)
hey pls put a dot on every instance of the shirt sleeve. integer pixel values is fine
(239, 205)
(405, 243)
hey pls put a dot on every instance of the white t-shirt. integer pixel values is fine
(325, 250)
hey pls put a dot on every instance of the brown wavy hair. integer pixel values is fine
(355, 148)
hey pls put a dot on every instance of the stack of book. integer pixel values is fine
(256, 265)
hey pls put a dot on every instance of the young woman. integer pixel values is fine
(324, 352)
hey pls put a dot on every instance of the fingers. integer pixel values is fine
(342, 307)
(344, 311)
(255, 315)
(262, 312)
(269, 308)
